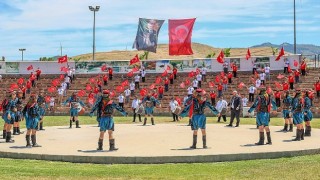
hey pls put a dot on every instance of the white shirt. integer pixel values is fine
(262, 76)
(173, 104)
(195, 83)
(267, 70)
(137, 78)
(226, 65)
(143, 73)
(254, 65)
(121, 99)
(135, 103)
(258, 83)
(221, 104)
(64, 86)
(286, 63)
(67, 79)
(69, 72)
(52, 101)
(60, 91)
(127, 92)
(190, 90)
(199, 77)
(132, 86)
(185, 99)
(204, 71)
(252, 89)
(244, 101)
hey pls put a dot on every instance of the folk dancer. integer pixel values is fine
(74, 102)
(149, 100)
(298, 114)
(286, 112)
(105, 108)
(307, 114)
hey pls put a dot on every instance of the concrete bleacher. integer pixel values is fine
(174, 90)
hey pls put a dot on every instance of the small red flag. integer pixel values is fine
(112, 93)
(187, 83)
(220, 57)
(182, 85)
(289, 69)
(14, 86)
(88, 87)
(20, 81)
(217, 79)
(198, 71)
(241, 85)
(168, 68)
(55, 82)
(119, 89)
(52, 89)
(29, 67)
(191, 74)
(91, 101)
(278, 85)
(104, 67)
(81, 93)
(165, 73)
(61, 76)
(130, 74)
(248, 55)
(280, 54)
(92, 80)
(280, 76)
(158, 80)
(295, 63)
(63, 59)
(64, 69)
(125, 83)
(47, 98)
(211, 84)
(143, 92)
(152, 86)
(135, 69)
(134, 60)
(178, 100)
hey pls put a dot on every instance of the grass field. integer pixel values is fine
(302, 167)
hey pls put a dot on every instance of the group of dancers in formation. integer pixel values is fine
(296, 110)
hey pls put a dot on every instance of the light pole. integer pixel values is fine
(94, 9)
(294, 28)
(22, 49)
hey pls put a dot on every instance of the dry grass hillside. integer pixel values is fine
(199, 50)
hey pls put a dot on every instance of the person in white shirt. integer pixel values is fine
(204, 74)
(121, 101)
(199, 79)
(244, 101)
(252, 91)
(222, 109)
(137, 81)
(267, 71)
(51, 103)
(286, 65)
(67, 80)
(132, 87)
(172, 107)
(134, 106)
(225, 67)
(254, 67)
(195, 84)
(258, 83)
(64, 86)
(60, 95)
(73, 70)
(127, 93)
(190, 91)
(262, 78)
(143, 75)
(69, 72)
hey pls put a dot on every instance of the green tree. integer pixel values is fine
(274, 50)
(145, 55)
(211, 55)
(227, 52)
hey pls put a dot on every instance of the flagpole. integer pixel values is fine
(94, 9)
(294, 27)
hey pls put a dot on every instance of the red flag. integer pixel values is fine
(135, 69)
(217, 79)
(20, 81)
(51, 89)
(280, 76)
(180, 32)
(158, 80)
(81, 93)
(220, 57)
(241, 85)
(191, 74)
(165, 73)
(152, 86)
(91, 101)
(280, 54)
(112, 93)
(92, 80)
(269, 90)
(104, 67)
(182, 85)
(130, 74)
(29, 67)
(143, 92)
(125, 83)
(64, 69)
(55, 82)
(134, 60)
(211, 84)
(14, 86)
(63, 59)
(168, 68)
(178, 100)
(47, 98)
(88, 87)
(198, 71)
(61, 76)
(222, 74)
(278, 85)
(187, 83)
(248, 56)
(119, 89)
(295, 63)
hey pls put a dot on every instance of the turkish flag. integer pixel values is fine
(64, 69)
(135, 69)
(241, 85)
(211, 84)
(29, 67)
(191, 74)
(180, 32)
(220, 57)
(63, 59)
(88, 87)
(187, 82)
(165, 73)
(47, 98)
(248, 55)
(52, 89)
(14, 86)
(125, 83)
(130, 74)
(280, 76)
(143, 92)
(217, 79)
(119, 89)
(81, 93)
(134, 60)
(198, 71)
(152, 86)
(295, 63)
(20, 81)
(92, 80)
(158, 80)
(178, 100)
(289, 69)
(112, 93)
(104, 67)
(280, 54)
(55, 82)
(222, 74)
(182, 85)
(278, 85)
(168, 68)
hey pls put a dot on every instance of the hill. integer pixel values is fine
(306, 49)
(199, 50)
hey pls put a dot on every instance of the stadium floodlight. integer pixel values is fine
(94, 9)
(22, 49)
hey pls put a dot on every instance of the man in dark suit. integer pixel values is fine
(235, 106)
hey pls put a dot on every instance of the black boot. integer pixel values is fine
(15, 131)
(302, 134)
(18, 130)
(194, 143)
(204, 141)
(145, 121)
(28, 141)
(285, 128)
(4, 134)
(41, 126)
(100, 145)
(8, 138)
(298, 136)
(112, 145)
(70, 124)
(269, 138)
(291, 128)
(77, 124)
(152, 121)
(261, 139)
(308, 131)
(140, 118)
(189, 122)
(34, 141)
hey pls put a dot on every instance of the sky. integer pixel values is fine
(43, 26)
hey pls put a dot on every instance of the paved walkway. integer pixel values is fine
(159, 141)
